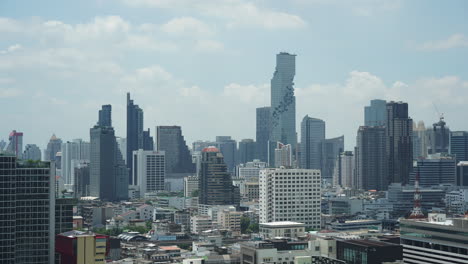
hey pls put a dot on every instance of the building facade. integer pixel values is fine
(330, 150)
(134, 133)
(435, 170)
(370, 158)
(247, 151)
(150, 171)
(312, 136)
(459, 145)
(263, 132)
(53, 147)
(178, 158)
(376, 113)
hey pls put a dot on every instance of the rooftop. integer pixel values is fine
(283, 223)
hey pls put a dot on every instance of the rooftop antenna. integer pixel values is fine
(417, 213)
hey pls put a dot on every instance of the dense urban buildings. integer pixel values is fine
(290, 195)
(247, 151)
(74, 151)
(32, 152)
(170, 140)
(228, 147)
(399, 131)
(283, 102)
(370, 158)
(283, 155)
(263, 132)
(76, 247)
(149, 171)
(435, 170)
(312, 136)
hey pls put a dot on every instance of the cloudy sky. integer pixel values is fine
(206, 64)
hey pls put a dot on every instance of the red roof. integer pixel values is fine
(210, 149)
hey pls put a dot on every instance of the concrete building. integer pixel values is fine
(370, 158)
(247, 151)
(178, 158)
(200, 223)
(81, 178)
(190, 185)
(262, 132)
(399, 131)
(438, 138)
(77, 247)
(27, 211)
(230, 219)
(312, 136)
(250, 171)
(462, 173)
(251, 191)
(282, 229)
(376, 113)
(434, 240)
(53, 147)
(149, 168)
(72, 151)
(343, 173)
(32, 152)
(283, 102)
(368, 251)
(274, 251)
(15, 143)
(331, 149)
(435, 170)
(459, 145)
(402, 198)
(419, 140)
(290, 195)
(283, 156)
(228, 147)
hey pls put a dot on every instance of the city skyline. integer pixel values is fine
(432, 64)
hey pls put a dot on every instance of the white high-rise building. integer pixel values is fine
(290, 195)
(149, 170)
(283, 155)
(250, 171)
(190, 185)
(75, 150)
(343, 174)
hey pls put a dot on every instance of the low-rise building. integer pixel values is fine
(368, 251)
(76, 247)
(282, 229)
(200, 223)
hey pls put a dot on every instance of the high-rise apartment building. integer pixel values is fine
(247, 151)
(290, 195)
(343, 173)
(399, 131)
(149, 168)
(15, 144)
(283, 155)
(459, 145)
(330, 150)
(312, 136)
(54, 146)
(134, 133)
(32, 152)
(438, 138)
(370, 158)
(263, 132)
(178, 158)
(228, 148)
(73, 151)
(376, 113)
(215, 182)
(27, 211)
(283, 101)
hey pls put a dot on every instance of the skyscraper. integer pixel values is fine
(283, 156)
(108, 173)
(459, 145)
(54, 146)
(134, 133)
(312, 135)
(376, 113)
(399, 131)
(149, 170)
(283, 101)
(330, 150)
(215, 182)
(435, 170)
(15, 144)
(419, 140)
(228, 147)
(105, 116)
(148, 142)
(32, 152)
(343, 174)
(178, 158)
(438, 138)
(247, 151)
(263, 132)
(74, 150)
(370, 158)
(27, 211)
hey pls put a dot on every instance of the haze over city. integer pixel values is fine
(206, 65)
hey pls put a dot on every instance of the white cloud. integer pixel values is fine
(186, 26)
(9, 92)
(11, 48)
(247, 93)
(454, 41)
(364, 8)
(236, 13)
(207, 45)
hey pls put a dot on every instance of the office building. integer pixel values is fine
(32, 152)
(247, 150)
(15, 143)
(134, 133)
(312, 136)
(283, 101)
(376, 113)
(438, 138)
(370, 158)
(148, 141)
(228, 148)
(402, 198)
(54, 146)
(215, 183)
(283, 156)
(368, 251)
(263, 132)
(290, 195)
(122, 143)
(105, 116)
(77, 247)
(343, 174)
(150, 171)
(178, 158)
(72, 151)
(330, 150)
(190, 185)
(459, 145)
(26, 211)
(462, 173)
(250, 171)
(81, 178)
(434, 240)
(419, 140)
(435, 170)
(399, 131)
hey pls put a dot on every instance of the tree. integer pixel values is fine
(245, 223)
(195, 193)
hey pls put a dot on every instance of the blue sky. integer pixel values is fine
(206, 65)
